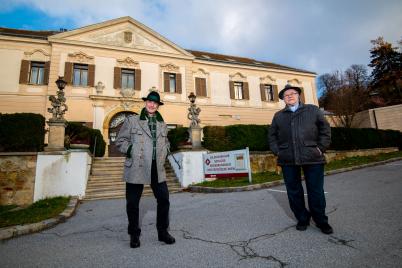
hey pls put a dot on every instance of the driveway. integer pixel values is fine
(244, 229)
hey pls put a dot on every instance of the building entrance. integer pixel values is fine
(115, 124)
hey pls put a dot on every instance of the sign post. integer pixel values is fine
(227, 164)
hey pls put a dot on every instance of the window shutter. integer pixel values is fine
(198, 90)
(91, 75)
(117, 78)
(137, 79)
(178, 83)
(246, 94)
(275, 92)
(166, 82)
(302, 98)
(262, 91)
(24, 71)
(231, 90)
(46, 74)
(204, 86)
(68, 69)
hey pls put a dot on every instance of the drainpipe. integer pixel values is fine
(375, 119)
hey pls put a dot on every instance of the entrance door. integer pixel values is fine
(114, 128)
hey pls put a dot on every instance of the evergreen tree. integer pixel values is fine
(386, 77)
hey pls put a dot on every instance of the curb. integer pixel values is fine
(201, 189)
(18, 230)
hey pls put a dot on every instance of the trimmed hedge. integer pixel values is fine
(364, 138)
(177, 136)
(78, 133)
(233, 137)
(22, 132)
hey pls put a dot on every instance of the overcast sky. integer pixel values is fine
(316, 35)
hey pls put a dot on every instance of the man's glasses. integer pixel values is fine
(290, 95)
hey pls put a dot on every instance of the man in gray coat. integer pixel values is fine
(143, 139)
(299, 136)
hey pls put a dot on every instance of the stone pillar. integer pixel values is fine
(56, 135)
(195, 137)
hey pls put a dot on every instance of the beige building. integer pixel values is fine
(109, 66)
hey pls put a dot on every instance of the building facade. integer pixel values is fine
(111, 65)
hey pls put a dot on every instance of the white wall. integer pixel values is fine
(220, 88)
(254, 91)
(191, 167)
(61, 174)
(104, 72)
(149, 77)
(10, 70)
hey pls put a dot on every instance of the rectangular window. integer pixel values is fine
(238, 90)
(80, 73)
(172, 83)
(37, 73)
(269, 91)
(127, 78)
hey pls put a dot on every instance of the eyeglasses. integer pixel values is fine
(290, 95)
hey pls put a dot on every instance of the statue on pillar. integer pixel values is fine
(195, 129)
(57, 123)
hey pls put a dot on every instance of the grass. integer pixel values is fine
(272, 176)
(38, 211)
(257, 178)
(360, 160)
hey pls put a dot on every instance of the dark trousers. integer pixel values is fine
(314, 178)
(133, 196)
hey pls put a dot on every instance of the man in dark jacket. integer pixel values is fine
(299, 136)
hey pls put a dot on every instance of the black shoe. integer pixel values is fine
(325, 228)
(164, 236)
(302, 226)
(134, 241)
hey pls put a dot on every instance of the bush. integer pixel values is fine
(236, 137)
(97, 137)
(364, 138)
(22, 132)
(77, 133)
(218, 138)
(177, 136)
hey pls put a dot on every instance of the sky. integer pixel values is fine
(315, 35)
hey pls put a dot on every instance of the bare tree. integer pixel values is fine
(345, 94)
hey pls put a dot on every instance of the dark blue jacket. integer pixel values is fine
(301, 137)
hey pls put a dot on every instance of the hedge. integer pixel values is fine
(177, 136)
(78, 133)
(233, 137)
(22, 132)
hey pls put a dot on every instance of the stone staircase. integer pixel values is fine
(105, 181)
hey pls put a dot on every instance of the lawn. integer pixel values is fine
(360, 160)
(257, 178)
(272, 176)
(38, 211)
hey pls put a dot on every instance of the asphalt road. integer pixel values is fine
(245, 229)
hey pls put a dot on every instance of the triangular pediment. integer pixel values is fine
(123, 32)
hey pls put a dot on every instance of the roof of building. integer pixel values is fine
(27, 33)
(201, 55)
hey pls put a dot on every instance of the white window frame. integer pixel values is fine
(238, 88)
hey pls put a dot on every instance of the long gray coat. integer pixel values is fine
(135, 132)
(299, 138)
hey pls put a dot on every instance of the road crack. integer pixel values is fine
(242, 248)
(340, 241)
